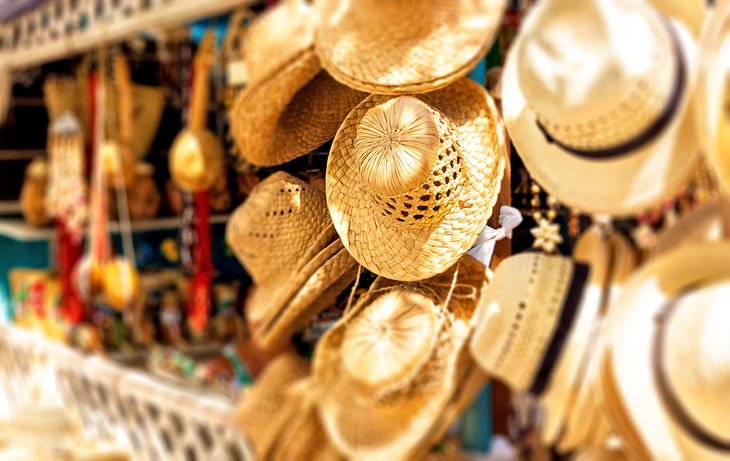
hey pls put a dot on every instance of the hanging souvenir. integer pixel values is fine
(33, 194)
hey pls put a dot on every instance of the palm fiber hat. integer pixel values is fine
(290, 106)
(283, 236)
(666, 376)
(713, 95)
(394, 372)
(403, 47)
(266, 409)
(538, 338)
(596, 100)
(411, 180)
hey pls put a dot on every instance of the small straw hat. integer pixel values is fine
(713, 92)
(266, 408)
(290, 106)
(283, 236)
(411, 180)
(403, 47)
(393, 374)
(596, 98)
(666, 371)
(538, 338)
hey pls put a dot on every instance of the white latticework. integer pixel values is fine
(156, 420)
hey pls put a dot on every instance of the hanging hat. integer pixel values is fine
(703, 224)
(283, 236)
(399, 47)
(596, 100)
(538, 338)
(411, 180)
(586, 424)
(666, 370)
(291, 106)
(266, 408)
(392, 375)
(692, 13)
(713, 92)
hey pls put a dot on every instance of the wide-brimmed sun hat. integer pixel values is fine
(538, 338)
(404, 47)
(394, 372)
(713, 92)
(411, 180)
(596, 98)
(290, 106)
(665, 373)
(283, 236)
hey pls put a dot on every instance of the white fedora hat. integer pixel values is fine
(713, 92)
(596, 100)
(666, 377)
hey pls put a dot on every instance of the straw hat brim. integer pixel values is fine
(620, 186)
(714, 66)
(392, 250)
(330, 273)
(400, 424)
(703, 224)
(628, 371)
(292, 112)
(376, 51)
(265, 409)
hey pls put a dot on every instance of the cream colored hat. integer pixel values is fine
(666, 376)
(411, 180)
(713, 92)
(265, 409)
(703, 224)
(283, 236)
(596, 100)
(404, 47)
(290, 106)
(538, 338)
(392, 375)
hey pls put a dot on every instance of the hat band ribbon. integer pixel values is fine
(565, 324)
(666, 116)
(667, 394)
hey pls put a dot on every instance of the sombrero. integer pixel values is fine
(290, 106)
(266, 408)
(400, 47)
(283, 236)
(596, 98)
(713, 92)
(411, 180)
(391, 376)
(665, 376)
(538, 338)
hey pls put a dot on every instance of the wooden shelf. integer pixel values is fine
(19, 230)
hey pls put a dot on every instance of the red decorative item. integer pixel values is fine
(201, 282)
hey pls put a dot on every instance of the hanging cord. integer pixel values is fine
(354, 289)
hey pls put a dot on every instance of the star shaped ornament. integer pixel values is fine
(547, 236)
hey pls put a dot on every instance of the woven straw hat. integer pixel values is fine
(713, 95)
(411, 180)
(399, 47)
(393, 374)
(290, 106)
(538, 338)
(596, 100)
(266, 409)
(196, 160)
(703, 224)
(666, 375)
(283, 236)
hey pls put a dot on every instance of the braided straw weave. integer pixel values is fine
(404, 46)
(291, 106)
(387, 374)
(411, 181)
(267, 407)
(283, 236)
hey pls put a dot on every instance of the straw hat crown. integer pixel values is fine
(410, 160)
(520, 323)
(277, 226)
(698, 329)
(601, 81)
(276, 37)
